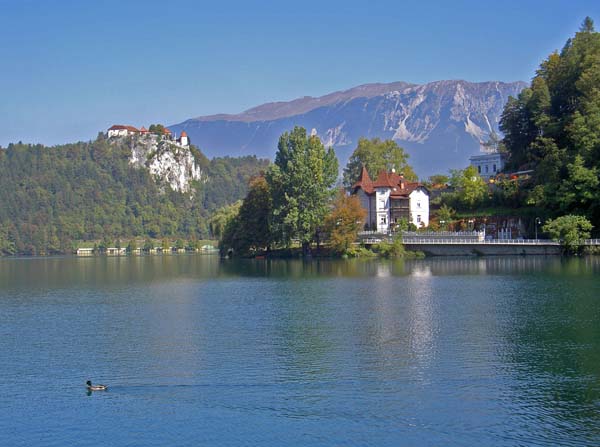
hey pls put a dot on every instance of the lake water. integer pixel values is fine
(199, 351)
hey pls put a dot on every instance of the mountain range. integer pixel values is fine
(440, 124)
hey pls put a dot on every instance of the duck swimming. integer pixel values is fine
(91, 387)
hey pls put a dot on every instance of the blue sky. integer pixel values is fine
(70, 68)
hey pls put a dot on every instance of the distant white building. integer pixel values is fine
(488, 165)
(391, 198)
(119, 130)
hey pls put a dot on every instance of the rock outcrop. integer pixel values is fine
(167, 162)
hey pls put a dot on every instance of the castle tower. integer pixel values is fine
(184, 139)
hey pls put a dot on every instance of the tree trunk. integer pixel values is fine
(305, 249)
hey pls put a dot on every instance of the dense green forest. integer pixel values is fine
(52, 197)
(553, 130)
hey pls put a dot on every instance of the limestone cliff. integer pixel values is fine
(167, 161)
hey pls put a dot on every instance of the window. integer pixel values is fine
(418, 204)
(479, 169)
(486, 169)
(383, 220)
(494, 168)
(418, 218)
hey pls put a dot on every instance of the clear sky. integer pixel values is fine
(70, 68)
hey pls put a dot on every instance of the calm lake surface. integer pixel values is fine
(199, 351)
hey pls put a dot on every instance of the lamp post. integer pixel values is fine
(538, 221)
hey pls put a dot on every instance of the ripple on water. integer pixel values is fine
(436, 352)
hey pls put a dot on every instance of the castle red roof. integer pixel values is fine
(183, 134)
(122, 127)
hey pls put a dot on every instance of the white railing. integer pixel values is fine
(372, 233)
(372, 240)
(444, 235)
(591, 242)
(373, 237)
(424, 241)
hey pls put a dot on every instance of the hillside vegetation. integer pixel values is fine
(553, 129)
(51, 197)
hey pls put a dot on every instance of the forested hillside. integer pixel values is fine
(553, 129)
(51, 197)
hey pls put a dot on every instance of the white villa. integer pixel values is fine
(120, 130)
(391, 198)
(488, 165)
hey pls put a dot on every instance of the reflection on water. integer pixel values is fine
(196, 350)
(68, 271)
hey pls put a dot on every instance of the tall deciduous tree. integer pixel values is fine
(570, 230)
(344, 222)
(470, 188)
(221, 217)
(377, 155)
(255, 216)
(301, 181)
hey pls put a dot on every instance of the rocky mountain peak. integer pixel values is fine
(441, 124)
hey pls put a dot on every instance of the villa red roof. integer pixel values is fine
(384, 180)
(399, 187)
(166, 131)
(395, 178)
(364, 182)
(183, 133)
(144, 130)
(404, 192)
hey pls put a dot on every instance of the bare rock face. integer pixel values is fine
(441, 124)
(167, 162)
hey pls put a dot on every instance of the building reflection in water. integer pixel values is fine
(406, 323)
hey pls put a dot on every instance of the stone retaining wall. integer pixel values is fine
(483, 249)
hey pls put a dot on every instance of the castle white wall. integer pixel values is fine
(118, 133)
